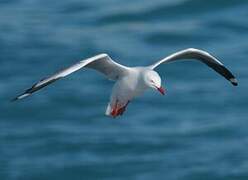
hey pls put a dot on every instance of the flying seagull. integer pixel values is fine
(131, 82)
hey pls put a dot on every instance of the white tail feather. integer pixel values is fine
(108, 110)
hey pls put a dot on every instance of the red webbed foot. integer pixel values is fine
(118, 111)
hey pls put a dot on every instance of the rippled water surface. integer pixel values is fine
(197, 131)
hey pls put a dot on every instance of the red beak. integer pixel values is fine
(161, 90)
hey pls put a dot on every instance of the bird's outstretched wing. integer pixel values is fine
(202, 56)
(102, 63)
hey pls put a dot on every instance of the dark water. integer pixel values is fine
(197, 131)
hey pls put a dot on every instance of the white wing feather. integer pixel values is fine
(102, 63)
(202, 56)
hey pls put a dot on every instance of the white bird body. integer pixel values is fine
(127, 87)
(131, 81)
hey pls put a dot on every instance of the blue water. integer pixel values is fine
(197, 131)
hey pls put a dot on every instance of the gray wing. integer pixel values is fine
(202, 56)
(102, 63)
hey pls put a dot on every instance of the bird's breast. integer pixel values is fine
(131, 85)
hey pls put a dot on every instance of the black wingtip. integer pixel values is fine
(14, 99)
(234, 81)
(22, 96)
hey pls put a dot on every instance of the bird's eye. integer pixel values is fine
(152, 81)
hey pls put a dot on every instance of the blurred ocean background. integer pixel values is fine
(199, 130)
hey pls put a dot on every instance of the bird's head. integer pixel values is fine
(153, 80)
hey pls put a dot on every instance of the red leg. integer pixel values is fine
(114, 111)
(122, 109)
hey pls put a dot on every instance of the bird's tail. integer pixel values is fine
(108, 110)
